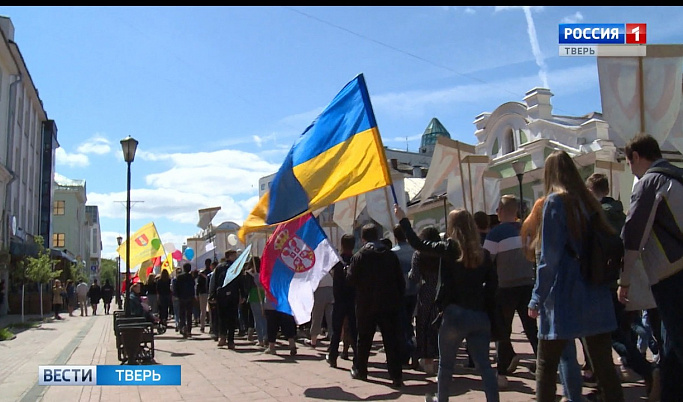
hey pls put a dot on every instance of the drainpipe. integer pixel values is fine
(10, 144)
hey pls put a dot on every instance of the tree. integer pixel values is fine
(76, 271)
(40, 269)
(108, 271)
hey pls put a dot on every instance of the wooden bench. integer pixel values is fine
(146, 347)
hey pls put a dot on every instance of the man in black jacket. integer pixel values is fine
(203, 292)
(227, 299)
(344, 302)
(184, 289)
(377, 276)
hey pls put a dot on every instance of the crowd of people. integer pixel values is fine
(80, 295)
(430, 293)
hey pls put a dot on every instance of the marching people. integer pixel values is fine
(344, 309)
(227, 299)
(94, 294)
(82, 295)
(183, 289)
(376, 274)
(515, 283)
(203, 293)
(255, 298)
(425, 270)
(107, 295)
(405, 257)
(652, 231)
(469, 282)
(163, 285)
(70, 296)
(561, 294)
(58, 294)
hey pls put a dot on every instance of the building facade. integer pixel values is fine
(71, 228)
(28, 140)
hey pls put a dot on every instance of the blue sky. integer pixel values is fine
(216, 96)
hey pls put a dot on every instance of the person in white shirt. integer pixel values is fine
(82, 295)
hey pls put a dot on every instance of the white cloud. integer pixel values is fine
(572, 19)
(71, 160)
(96, 145)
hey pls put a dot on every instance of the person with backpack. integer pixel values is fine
(565, 303)
(653, 231)
(623, 338)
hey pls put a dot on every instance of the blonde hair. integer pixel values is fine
(562, 177)
(531, 230)
(463, 229)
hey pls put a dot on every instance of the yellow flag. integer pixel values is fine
(144, 245)
(168, 263)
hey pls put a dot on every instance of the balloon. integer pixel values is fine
(232, 239)
(189, 253)
(156, 243)
(177, 255)
(169, 247)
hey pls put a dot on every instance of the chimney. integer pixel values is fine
(7, 28)
(538, 103)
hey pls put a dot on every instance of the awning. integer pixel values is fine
(54, 253)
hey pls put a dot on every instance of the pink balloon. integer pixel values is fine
(177, 255)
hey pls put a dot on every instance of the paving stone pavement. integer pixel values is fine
(210, 373)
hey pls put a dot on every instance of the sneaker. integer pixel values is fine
(222, 342)
(270, 350)
(310, 343)
(431, 398)
(502, 381)
(513, 364)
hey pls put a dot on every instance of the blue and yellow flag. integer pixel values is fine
(338, 156)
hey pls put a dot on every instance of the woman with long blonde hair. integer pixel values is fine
(469, 283)
(568, 307)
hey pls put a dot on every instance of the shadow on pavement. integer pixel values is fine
(337, 393)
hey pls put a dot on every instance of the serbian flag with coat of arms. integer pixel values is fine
(296, 257)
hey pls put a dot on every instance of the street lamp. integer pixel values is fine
(118, 275)
(518, 167)
(129, 145)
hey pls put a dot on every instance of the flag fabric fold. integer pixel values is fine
(142, 246)
(338, 156)
(236, 267)
(296, 257)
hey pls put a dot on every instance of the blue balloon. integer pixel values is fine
(189, 253)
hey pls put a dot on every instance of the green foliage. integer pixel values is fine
(6, 334)
(76, 271)
(41, 269)
(108, 271)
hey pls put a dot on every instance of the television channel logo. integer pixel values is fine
(597, 34)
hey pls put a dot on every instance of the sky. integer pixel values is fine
(216, 96)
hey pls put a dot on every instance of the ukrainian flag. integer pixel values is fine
(338, 156)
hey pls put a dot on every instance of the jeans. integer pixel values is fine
(599, 348)
(651, 334)
(176, 311)
(511, 300)
(474, 326)
(669, 297)
(624, 341)
(570, 373)
(184, 315)
(259, 321)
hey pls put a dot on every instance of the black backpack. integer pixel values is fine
(603, 254)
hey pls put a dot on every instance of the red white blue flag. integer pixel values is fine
(296, 257)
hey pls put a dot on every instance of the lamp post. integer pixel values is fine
(129, 146)
(118, 275)
(518, 167)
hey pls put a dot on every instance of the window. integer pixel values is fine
(58, 240)
(58, 208)
(509, 142)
